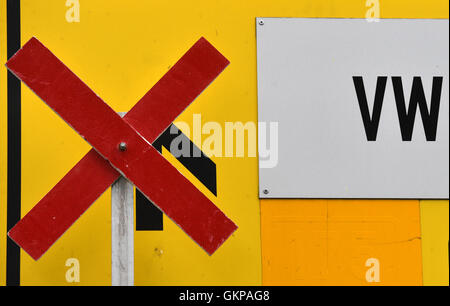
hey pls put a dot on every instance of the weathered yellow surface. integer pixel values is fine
(328, 242)
(120, 49)
(435, 228)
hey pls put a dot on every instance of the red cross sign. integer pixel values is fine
(121, 146)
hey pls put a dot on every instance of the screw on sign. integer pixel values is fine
(121, 146)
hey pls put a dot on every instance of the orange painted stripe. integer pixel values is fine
(329, 242)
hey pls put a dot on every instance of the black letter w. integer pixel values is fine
(407, 118)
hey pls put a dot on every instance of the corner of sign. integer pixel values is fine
(211, 252)
(35, 258)
(32, 40)
(260, 21)
(203, 40)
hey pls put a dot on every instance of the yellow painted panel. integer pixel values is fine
(3, 144)
(435, 228)
(120, 49)
(329, 242)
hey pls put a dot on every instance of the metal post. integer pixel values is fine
(122, 226)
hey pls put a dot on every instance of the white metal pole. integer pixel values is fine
(122, 230)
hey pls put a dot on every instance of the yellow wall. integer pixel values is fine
(435, 228)
(120, 49)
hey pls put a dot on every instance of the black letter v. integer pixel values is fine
(370, 124)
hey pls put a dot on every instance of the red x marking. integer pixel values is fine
(100, 126)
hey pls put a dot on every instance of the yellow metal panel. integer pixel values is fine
(435, 228)
(414, 9)
(329, 242)
(120, 50)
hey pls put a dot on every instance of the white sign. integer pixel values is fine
(362, 107)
